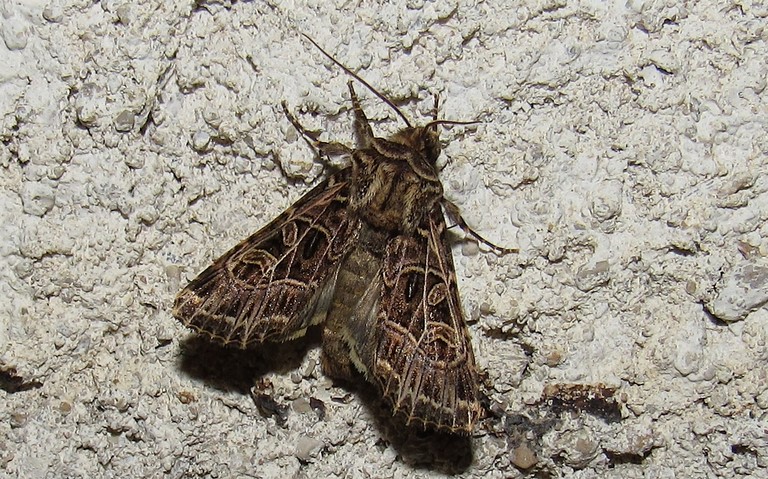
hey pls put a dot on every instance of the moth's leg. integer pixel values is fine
(455, 214)
(323, 148)
(363, 131)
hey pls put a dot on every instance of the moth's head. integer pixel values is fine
(423, 139)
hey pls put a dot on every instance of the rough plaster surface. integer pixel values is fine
(623, 150)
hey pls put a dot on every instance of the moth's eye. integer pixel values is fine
(413, 286)
(431, 145)
(311, 243)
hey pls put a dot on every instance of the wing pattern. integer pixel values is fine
(280, 280)
(418, 350)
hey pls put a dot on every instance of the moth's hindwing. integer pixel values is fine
(279, 281)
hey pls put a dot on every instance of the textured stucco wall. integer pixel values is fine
(623, 150)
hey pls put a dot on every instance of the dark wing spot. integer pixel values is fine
(413, 285)
(312, 243)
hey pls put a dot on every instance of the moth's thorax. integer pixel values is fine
(395, 181)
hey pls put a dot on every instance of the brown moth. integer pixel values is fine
(365, 255)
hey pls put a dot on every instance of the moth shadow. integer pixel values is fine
(232, 369)
(228, 368)
(440, 452)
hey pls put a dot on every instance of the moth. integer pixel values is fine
(365, 255)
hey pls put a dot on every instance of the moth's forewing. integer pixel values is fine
(409, 335)
(279, 281)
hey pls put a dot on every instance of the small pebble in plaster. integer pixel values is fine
(37, 198)
(15, 32)
(592, 275)
(124, 121)
(740, 291)
(523, 457)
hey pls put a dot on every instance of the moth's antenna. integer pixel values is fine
(449, 122)
(356, 77)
